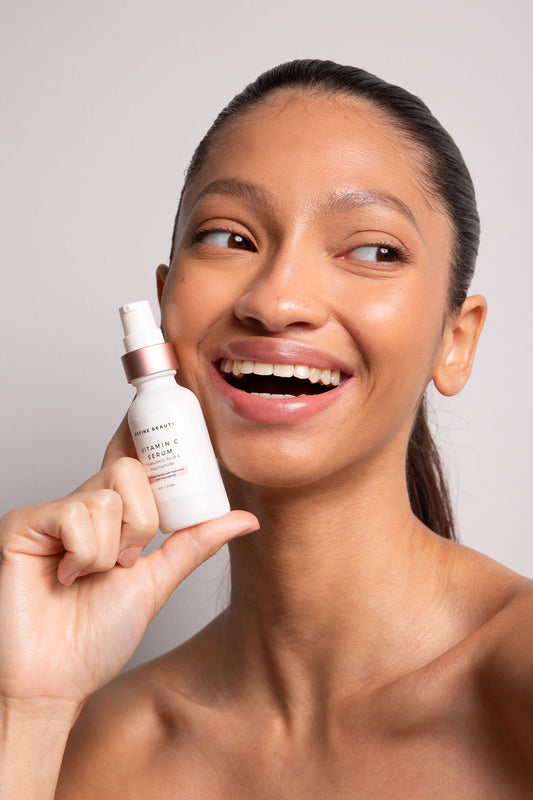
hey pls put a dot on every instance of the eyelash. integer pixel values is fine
(401, 253)
(197, 235)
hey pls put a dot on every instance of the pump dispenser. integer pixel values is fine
(168, 428)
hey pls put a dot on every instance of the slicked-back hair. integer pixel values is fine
(445, 175)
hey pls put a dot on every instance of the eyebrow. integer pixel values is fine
(347, 200)
(344, 200)
(242, 190)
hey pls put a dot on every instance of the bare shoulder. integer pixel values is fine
(503, 599)
(501, 604)
(498, 653)
(135, 737)
(506, 669)
(116, 730)
(113, 747)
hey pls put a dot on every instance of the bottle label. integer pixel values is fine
(167, 450)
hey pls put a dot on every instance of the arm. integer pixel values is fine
(32, 741)
(75, 600)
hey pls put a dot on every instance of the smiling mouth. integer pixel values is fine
(279, 380)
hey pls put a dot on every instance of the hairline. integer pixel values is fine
(393, 120)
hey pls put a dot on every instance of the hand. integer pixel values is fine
(75, 598)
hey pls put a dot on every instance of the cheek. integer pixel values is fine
(181, 323)
(397, 327)
(191, 303)
(196, 303)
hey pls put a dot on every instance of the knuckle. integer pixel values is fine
(104, 562)
(74, 520)
(108, 501)
(147, 522)
(72, 513)
(9, 522)
(126, 469)
(8, 525)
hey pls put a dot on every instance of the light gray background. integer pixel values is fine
(103, 103)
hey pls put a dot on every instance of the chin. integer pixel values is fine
(279, 467)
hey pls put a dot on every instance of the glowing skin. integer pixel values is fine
(360, 655)
(356, 656)
(291, 258)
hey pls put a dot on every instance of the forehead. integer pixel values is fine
(314, 121)
(304, 146)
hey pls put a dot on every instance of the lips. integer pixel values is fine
(278, 381)
(281, 351)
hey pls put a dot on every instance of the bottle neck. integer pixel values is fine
(154, 382)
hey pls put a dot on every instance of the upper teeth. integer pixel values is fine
(327, 377)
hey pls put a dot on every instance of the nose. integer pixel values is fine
(287, 291)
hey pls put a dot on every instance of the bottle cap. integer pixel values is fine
(140, 329)
(146, 350)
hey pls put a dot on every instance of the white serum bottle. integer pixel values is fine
(168, 428)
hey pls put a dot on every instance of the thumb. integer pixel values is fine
(121, 444)
(183, 551)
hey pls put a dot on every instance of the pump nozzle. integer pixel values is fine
(139, 326)
(146, 350)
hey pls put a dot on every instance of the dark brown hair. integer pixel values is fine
(446, 177)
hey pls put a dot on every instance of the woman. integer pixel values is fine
(326, 234)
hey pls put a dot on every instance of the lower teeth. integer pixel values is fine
(275, 396)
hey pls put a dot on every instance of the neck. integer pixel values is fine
(338, 585)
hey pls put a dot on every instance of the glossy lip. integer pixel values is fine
(284, 410)
(281, 351)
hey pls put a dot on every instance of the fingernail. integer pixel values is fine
(69, 579)
(129, 556)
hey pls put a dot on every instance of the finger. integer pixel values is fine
(180, 554)
(121, 444)
(140, 520)
(38, 530)
(80, 532)
(90, 534)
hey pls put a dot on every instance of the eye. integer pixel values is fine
(374, 252)
(224, 239)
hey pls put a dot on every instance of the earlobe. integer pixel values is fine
(460, 340)
(160, 277)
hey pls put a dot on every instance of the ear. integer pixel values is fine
(460, 340)
(160, 277)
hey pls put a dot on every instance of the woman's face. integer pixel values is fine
(308, 245)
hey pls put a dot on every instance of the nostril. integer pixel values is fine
(265, 308)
